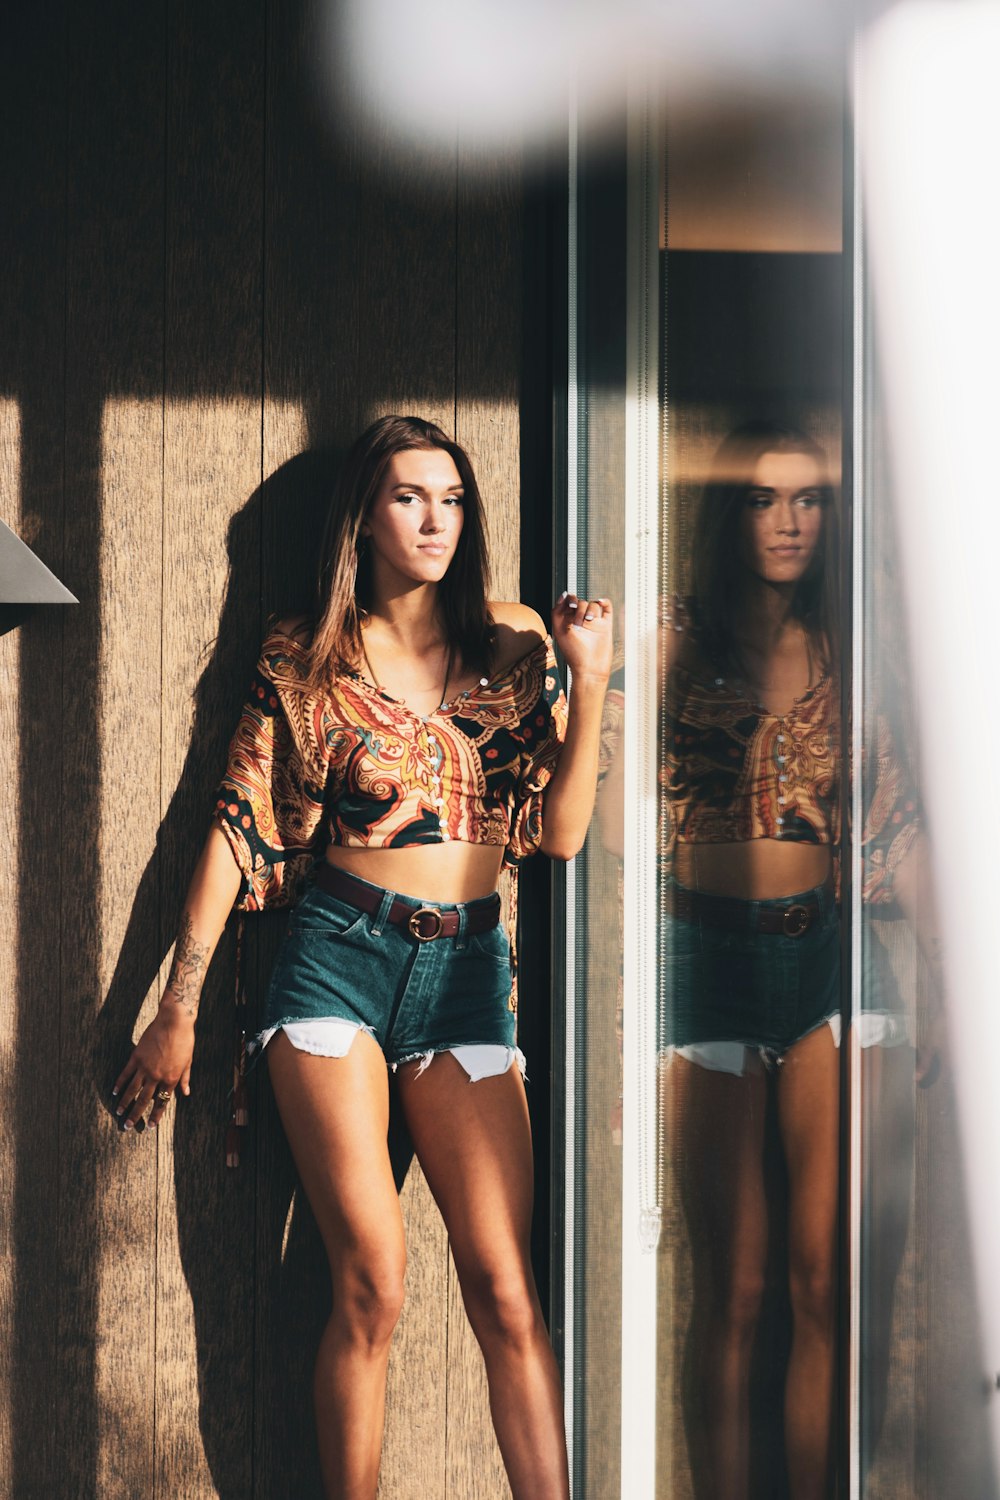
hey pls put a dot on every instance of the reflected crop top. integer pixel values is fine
(733, 771)
(353, 767)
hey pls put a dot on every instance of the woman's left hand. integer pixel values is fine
(582, 629)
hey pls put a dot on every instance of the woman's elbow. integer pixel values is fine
(561, 846)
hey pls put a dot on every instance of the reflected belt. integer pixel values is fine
(791, 920)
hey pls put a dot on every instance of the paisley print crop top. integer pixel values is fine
(357, 768)
(733, 771)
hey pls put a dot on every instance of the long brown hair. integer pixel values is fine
(345, 576)
(716, 544)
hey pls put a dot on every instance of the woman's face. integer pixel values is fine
(782, 517)
(415, 520)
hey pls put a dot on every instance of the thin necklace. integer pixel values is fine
(447, 673)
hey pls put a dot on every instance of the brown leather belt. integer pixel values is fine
(718, 911)
(425, 923)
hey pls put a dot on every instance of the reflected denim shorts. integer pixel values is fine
(415, 998)
(733, 983)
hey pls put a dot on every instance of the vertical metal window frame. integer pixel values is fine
(640, 1209)
(856, 488)
(566, 558)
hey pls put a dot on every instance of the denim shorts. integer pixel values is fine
(415, 998)
(735, 984)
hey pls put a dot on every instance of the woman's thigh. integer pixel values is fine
(808, 1119)
(335, 1111)
(716, 1134)
(473, 1141)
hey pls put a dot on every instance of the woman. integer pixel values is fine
(414, 739)
(752, 804)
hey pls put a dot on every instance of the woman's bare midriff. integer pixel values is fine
(759, 870)
(433, 872)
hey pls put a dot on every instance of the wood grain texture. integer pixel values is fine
(210, 289)
(32, 497)
(313, 252)
(212, 470)
(407, 286)
(414, 1448)
(488, 350)
(111, 722)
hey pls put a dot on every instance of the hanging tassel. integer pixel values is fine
(239, 1114)
(241, 1111)
(232, 1147)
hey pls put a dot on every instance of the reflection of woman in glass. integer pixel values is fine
(752, 816)
(400, 750)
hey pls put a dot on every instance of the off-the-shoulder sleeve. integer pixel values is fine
(542, 731)
(270, 802)
(892, 817)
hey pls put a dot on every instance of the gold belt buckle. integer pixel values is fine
(414, 924)
(796, 921)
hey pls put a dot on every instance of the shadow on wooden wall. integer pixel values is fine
(235, 1316)
(208, 292)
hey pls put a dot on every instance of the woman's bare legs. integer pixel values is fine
(474, 1144)
(335, 1113)
(808, 1109)
(717, 1136)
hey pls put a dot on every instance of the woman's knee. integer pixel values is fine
(502, 1305)
(740, 1300)
(368, 1295)
(812, 1288)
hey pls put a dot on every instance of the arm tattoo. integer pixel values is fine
(187, 972)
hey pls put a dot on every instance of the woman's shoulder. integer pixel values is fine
(284, 653)
(519, 631)
(679, 638)
(297, 628)
(677, 613)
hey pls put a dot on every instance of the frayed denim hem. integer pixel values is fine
(478, 1059)
(312, 1037)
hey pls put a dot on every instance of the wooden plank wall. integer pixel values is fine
(211, 283)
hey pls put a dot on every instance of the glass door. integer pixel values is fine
(762, 1156)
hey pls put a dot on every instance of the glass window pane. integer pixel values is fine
(753, 305)
(596, 564)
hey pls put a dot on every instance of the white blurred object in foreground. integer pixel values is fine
(929, 121)
(509, 69)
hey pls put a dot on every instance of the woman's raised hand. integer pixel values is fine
(582, 629)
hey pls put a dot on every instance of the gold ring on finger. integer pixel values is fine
(163, 1096)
